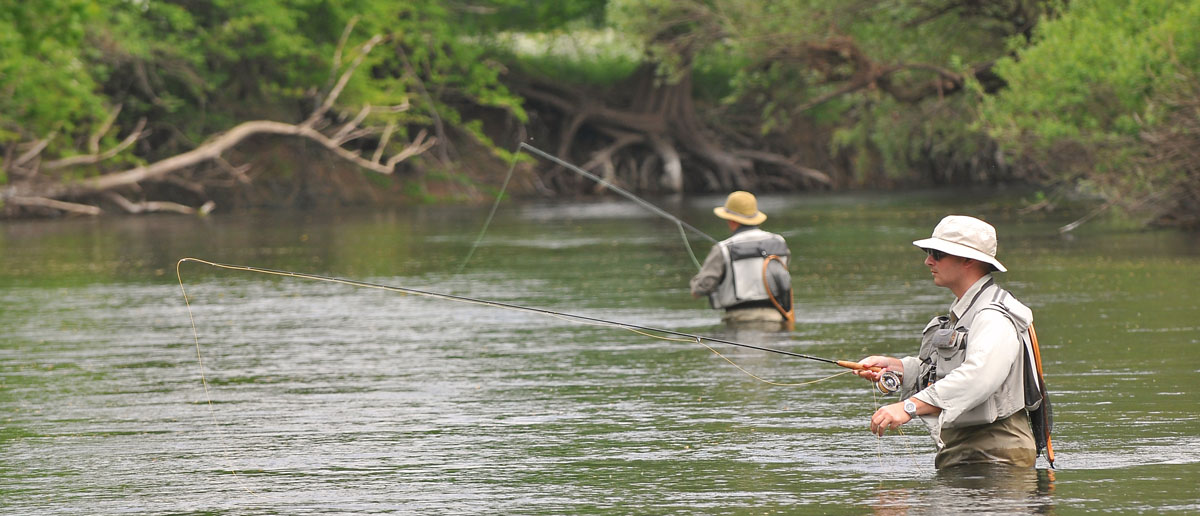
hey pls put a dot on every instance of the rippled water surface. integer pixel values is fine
(296, 396)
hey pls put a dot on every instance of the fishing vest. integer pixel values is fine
(745, 254)
(944, 349)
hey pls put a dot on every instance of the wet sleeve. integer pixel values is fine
(706, 281)
(991, 349)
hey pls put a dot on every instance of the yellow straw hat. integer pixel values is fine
(741, 207)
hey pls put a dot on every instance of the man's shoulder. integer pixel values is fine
(1004, 303)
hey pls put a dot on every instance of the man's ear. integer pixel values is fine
(971, 262)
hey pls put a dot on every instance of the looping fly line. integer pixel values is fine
(623, 192)
(656, 333)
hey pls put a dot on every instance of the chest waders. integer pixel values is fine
(944, 348)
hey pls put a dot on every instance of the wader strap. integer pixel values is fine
(1042, 419)
(988, 283)
(789, 315)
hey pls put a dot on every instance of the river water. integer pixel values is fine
(296, 396)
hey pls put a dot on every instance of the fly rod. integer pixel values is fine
(644, 203)
(552, 313)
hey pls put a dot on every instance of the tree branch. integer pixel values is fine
(211, 150)
(89, 159)
(343, 80)
(42, 202)
(156, 206)
(94, 140)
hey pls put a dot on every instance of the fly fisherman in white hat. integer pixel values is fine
(747, 273)
(967, 381)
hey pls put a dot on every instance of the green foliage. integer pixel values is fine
(1097, 79)
(45, 84)
(1092, 71)
(194, 68)
(435, 64)
(770, 64)
(539, 15)
(579, 57)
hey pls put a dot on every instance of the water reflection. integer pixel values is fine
(973, 488)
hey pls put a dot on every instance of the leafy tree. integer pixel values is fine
(84, 77)
(879, 81)
(46, 85)
(1106, 97)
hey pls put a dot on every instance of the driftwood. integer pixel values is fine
(31, 189)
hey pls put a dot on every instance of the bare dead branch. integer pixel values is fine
(33, 152)
(43, 202)
(418, 146)
(395, 108)
(238, 173)
(89, 159)
(387, 135)
(52, 194)
(341, 46)
(157, 206)
(366, 131)
(363, 50)
(94, 139)
(211, 150)
(353, 124)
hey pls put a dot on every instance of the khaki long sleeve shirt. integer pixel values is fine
(993, 347)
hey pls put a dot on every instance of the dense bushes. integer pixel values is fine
(1107, 97)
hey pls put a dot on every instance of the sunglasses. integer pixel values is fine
(937, 255)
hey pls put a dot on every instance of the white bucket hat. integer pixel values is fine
(964, 236)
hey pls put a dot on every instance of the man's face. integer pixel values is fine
(947, 270)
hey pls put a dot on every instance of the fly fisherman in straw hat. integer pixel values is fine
(747, 273)
(966, 383)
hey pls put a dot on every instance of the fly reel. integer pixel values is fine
(889, 383)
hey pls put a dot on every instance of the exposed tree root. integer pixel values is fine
(656, 142)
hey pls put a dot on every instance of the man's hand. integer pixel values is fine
(887, 363)
(888, 416)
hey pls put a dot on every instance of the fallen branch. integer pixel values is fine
(24, 161)
(215, 148)
(42, 202)
(157, 206)
(97, 157)
(34, 151)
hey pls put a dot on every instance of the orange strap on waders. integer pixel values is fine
(789, 315)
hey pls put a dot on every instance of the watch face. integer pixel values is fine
(910, 407)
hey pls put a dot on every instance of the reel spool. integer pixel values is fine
(889, 383)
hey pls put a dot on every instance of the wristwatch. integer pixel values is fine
(910, 408)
